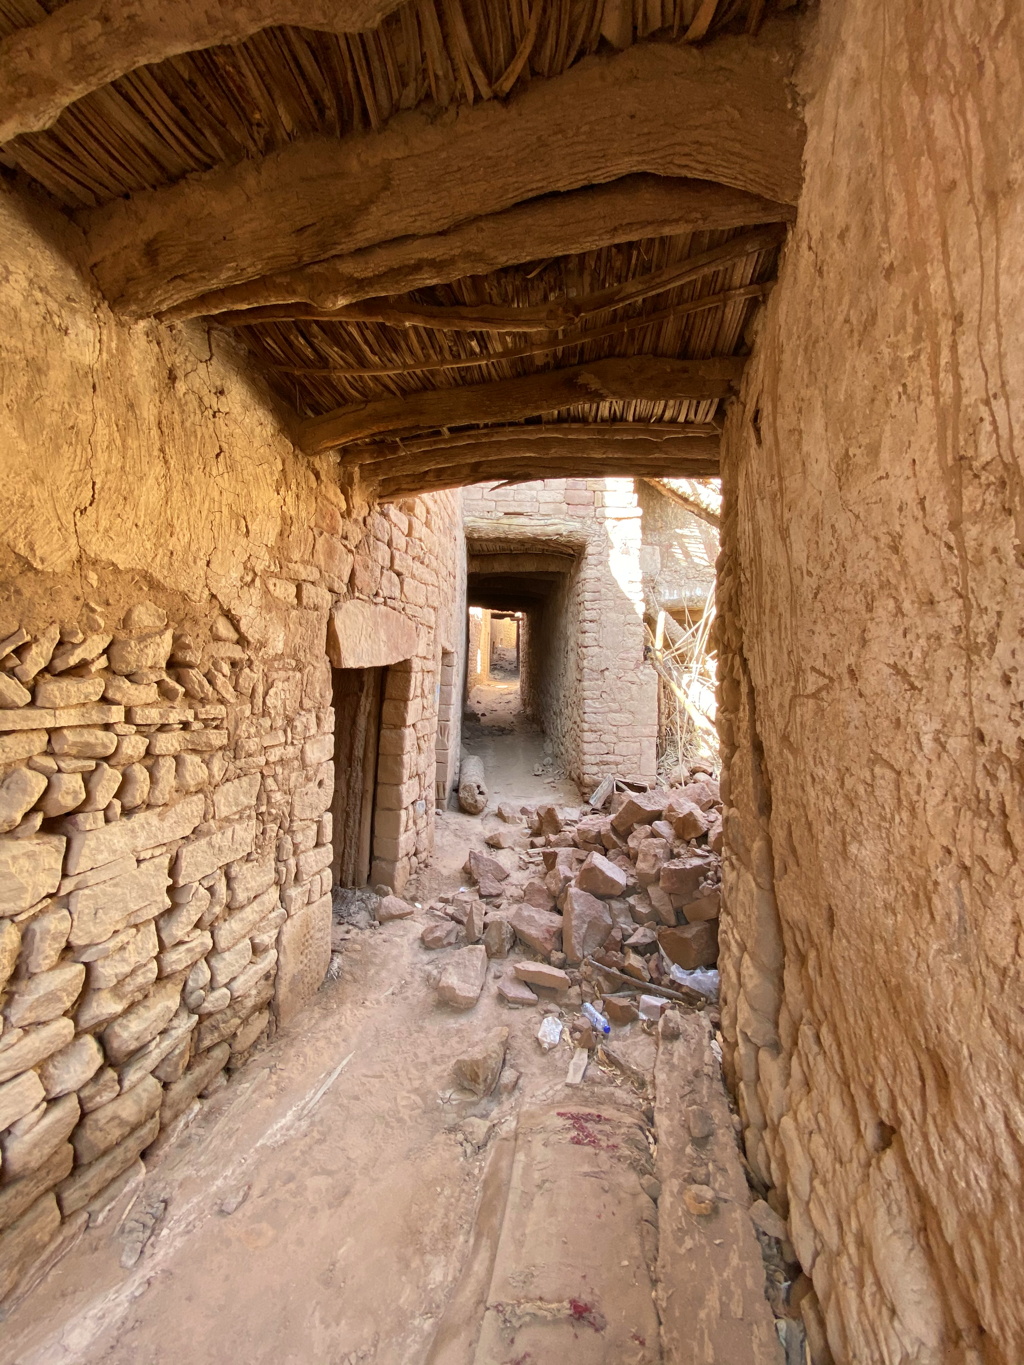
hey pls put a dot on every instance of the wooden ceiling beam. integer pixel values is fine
(641, 377)
(679, 452)
(634, 207)
(504, 318)
(546, 431)
(721, 112)
(86, 44)
(524, 471)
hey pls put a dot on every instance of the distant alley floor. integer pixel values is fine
(342, 1202)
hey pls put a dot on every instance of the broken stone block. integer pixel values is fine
(704, 793)
(661, 905)
(46, 996)
(652, 1007)
(12, 694)
(539, 894)
(634, 965)
(651, 857)
(509, 813)
(600, 877)
(546, 820)
(686, 817)
(500, 838)
(586, 923)
(478, 1069)
(538, 929)
(19, 1097)
(19, 791)
(64, 792)
(393, 907)
(463, 977)
(541, 974)
(703, 908)
(106, 1126)
(43, 940)
(637, 809)
(691, 945)
(10, 946)
(716, 836)
(142, 1022)
(499, 936)
(29, 870)
(474, 925)
(71, 1067)
(680, 877)
(21, 1193)
(34, 1046)
(442, 934)
(620, 1009)
(514, 991)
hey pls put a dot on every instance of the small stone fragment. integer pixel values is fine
(499, 936)
(600, 877)
(478, 1069)
(393, 907)
(699, 1122)
(586, 924)
(541, 974)
(620, 1009)
(539, 929)
(515, 992)
(701, 1200)
(440, 934)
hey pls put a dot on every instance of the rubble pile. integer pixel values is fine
(614, 908)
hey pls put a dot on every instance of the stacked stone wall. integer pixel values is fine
(870, 648)
(584, 674)
(169, 565)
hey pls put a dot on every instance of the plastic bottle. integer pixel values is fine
(597, 1018)
(549, 1034)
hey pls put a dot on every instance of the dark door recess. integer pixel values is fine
(358, 697)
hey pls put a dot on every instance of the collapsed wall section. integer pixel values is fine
(870, 644)
(169, 566)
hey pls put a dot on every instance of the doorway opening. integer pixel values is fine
(358, 704)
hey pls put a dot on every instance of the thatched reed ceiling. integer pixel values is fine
(202, 111)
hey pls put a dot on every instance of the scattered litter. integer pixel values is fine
(549, 1034)
(705, 980)
(598, 1019)
(578, 1066)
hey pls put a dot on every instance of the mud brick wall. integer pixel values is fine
(584, 673)
(678, 553)
(870, 695)
(168, 567)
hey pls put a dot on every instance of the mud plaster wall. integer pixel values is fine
(584, 675)
(166, 731)
(871, 691)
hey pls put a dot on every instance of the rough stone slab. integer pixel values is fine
(311, 862)
(23, 1152)
(143, 1021)
(304, 949)
(101, 910)
(586, 924)
(691, 945)
(84, 1184)
(19, 1195)
(231, 798)
(247, 880)
(680, 877)
(26, 1240)
(543, 974)
(539, 929)
(239, 925)
(51, 718)
(600, 877)
(577, 1236)
(29, 870)
(133, 834)
(71, 1067)
(478, 1069)
(203, 856)
(366, 635)
(100, 1005)
(710, 1271)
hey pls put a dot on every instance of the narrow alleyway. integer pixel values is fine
(321, 1207)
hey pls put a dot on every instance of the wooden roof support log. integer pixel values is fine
(86, 44)
(462, 475)
(555, 225)
(722, 112)
(691, 505)
(639, 377)
(543, 431)
(679, 452)
(547, 317)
